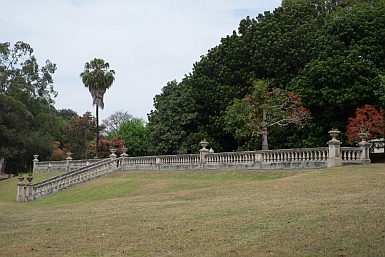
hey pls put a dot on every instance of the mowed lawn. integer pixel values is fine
(319, 212)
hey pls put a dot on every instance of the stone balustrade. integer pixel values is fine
(28, 192)
(61, 166)
(300, 154)
(354, 155)
(268, 159)
(320, 157)
(163, 162)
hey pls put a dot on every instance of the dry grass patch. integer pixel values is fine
(327, 212)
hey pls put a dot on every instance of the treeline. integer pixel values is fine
(330, 53)
(30, 124)
(325, 58)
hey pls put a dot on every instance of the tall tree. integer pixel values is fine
(266, 107)
(15, 133)
(98, 77)
(344, 73)
(19, 71)
(171, 125)
(135, 137)
(24, 80)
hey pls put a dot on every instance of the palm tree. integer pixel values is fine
(98, 77)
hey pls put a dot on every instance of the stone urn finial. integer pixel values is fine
(363, 136)
(204, 144)
(35, 158)
(69, 156)
(113, 151)
(334, 133)
(124, 150)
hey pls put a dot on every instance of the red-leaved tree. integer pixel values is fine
(368, 120)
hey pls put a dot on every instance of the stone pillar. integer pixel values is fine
(68, 161)
(158, 163)
(29, 194)
(202, 154)
(334, 157)
(124, 154)
(258, 160)
(21, 192)
(35, 160)
(365, 149)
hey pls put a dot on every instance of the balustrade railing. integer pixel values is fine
(230, 157)
(61, 166)
(320, 157)
(34, 191)
(301, 154)
(351, 155)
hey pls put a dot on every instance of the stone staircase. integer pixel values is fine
(29, 192)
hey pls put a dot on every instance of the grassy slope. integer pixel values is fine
(327, 212)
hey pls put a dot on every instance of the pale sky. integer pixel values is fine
(147, 42)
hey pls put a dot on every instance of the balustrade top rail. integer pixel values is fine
(300, 154)
(164, 159)
(64, 165)
(74, 172)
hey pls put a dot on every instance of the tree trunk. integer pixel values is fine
(2, 166)
(97, 132)
(265, 144)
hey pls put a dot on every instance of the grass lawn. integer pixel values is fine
(321, 212)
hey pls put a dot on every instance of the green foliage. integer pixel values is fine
(265, 107)
(330, 53)
(171, 125)
(98, 77)
(23, 80)
(19, 70)
(134, 134)
(15, 132)
(67, 114)
(344, 73)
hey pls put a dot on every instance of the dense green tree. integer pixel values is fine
(98, 77)
(67, 114)
(24, 80)
(134, 134)
(19, 70)
(329, 52)
(15, 133)
(171, 125)
(345, 72)
(273, 46)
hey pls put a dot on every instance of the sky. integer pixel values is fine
(147, 42)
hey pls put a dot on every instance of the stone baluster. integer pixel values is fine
(21, 192)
